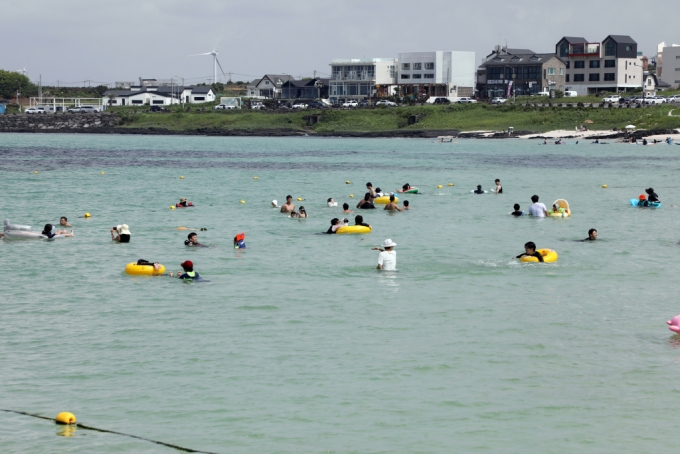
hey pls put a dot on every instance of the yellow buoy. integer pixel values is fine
(450, 184)
(172, 207)
(87, 215)
(35, 172)
(351, 196)
(243, 201)
(604, 186)
(102, 173)
(65, 418)
(299, 199)
(346, 182)
(181, 177)
(254, 178)
(440, 186)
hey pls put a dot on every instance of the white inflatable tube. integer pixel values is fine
(9, 226)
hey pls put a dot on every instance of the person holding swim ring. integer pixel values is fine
(530, 251)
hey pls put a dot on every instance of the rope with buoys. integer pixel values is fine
(83, 426)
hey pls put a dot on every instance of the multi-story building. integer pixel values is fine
(438, 73)
(520, 72)
(362, 78)
(668, 64)
(611, 65)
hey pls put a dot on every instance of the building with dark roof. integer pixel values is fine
(305, 89)
(163, 95)
(613, 65)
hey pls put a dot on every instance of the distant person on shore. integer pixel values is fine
(345, 208)
(366, 203)
(288, 207)
(406, 205)
(64, 222)
(479, 189)
(530, 251)
(371, 191)
(499, 186)
(331, 203)
(387, 259)
(120, 233)
(592, 235)
(192, 241)
(537, 209)
(392, 205)
(359, 220)
(517, 211)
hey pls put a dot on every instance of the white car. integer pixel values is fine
(498, 100)
(612, 98)
(257, 106)
(655, 100)
(35, 110)
(300, 105)
(673, 98)
(350, 104)
(83, 109)
(467, 101)
(223, 107)
(385, 102)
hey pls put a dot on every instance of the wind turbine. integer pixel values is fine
(216, 62)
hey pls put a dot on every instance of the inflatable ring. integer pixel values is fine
(411, 191)
(143, 270)
(559, 214)
(353, 230)
(549, 256)
(636, 203)
(25, 235)
(384, 200)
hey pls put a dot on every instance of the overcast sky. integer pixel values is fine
(75, 40)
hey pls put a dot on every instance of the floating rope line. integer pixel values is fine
(83, 426)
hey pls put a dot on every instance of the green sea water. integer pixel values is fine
(298, 344)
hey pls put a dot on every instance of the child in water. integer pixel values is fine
(189, 273)
(517, 211)
(240, 241)
(556, 209)
(530, 251)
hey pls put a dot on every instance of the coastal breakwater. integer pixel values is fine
(95, 122)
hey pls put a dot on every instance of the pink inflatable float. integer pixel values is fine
(674, 324)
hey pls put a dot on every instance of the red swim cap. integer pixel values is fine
(642, 197)
(187, 263)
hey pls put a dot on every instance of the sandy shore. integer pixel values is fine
(563, 133)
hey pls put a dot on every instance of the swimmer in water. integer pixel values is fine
(302, 213)
(366, 203)
(294, 214)
(331, 203)
(359, 220)
(288, 207)
(479, 189)
(530, 251)
(188, 272)
(120, 233)
(240, 241)
(182, 202)
(378, 192)
(371, 191)
(517, 211)
(47, 231)
(345, 208)
(387, 259)
(406, 205)
(499, 187)
(335, 225)
(192, 241)
(651, 195)
(64, 222)
(392, 206)
(592, 235)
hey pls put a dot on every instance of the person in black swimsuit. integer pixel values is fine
(499, 187)
(517, 212)
(530, 251)
(365, 203)
(651, 195)
(592, 235)
(479, 189)
(359, 220)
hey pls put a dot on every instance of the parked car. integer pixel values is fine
(674, 98)
(570, 94)
(350, 103)
(158, 109)
(655, 100)
(257, 106)
(224, 107)
(635, 100)
(467, 101)
(386, 103)
(317, 105)
(364, 103)
(441, 101)
(84, 109)
(299, 105)
(611, 98)
(35, 110)
(498, 101)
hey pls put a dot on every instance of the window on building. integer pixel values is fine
(567, 79)
(594, 77)
(199, 98)
(579, 64)
(610, 49)
(579, 78)
(677, 69)
(531, 72)
(157, 101)
(417, 76)
(428, 76)
(551, 71)
(417, 66)
(609, 76)
(610, 63)
(405, 76)
(392, 72)
(544, 74)
(561, 71)
(568, 64)
(429, 65)
(564, 49)
(629, 48)
(594, 63)
(137, 101)
(406, 66)
(266, 82)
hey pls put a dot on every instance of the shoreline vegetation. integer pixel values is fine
(430, 121)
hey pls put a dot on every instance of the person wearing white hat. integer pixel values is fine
(120, 233)
(387, 259)
(275, 204)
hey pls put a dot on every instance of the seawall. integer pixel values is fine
(58, 122)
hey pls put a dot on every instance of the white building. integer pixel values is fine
(164, 95)
(361, 78)
(668, 64)
(438, 73)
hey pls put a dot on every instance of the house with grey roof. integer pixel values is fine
(163, 95)
(269, 86)
(613, 65)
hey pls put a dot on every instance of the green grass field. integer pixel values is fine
(450, 117)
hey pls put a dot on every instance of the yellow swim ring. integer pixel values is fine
(143, 270)
(353, 230)
(384, 200)
(563, 210)
(549, 256)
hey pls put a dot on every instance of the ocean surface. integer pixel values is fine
(298, 344)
